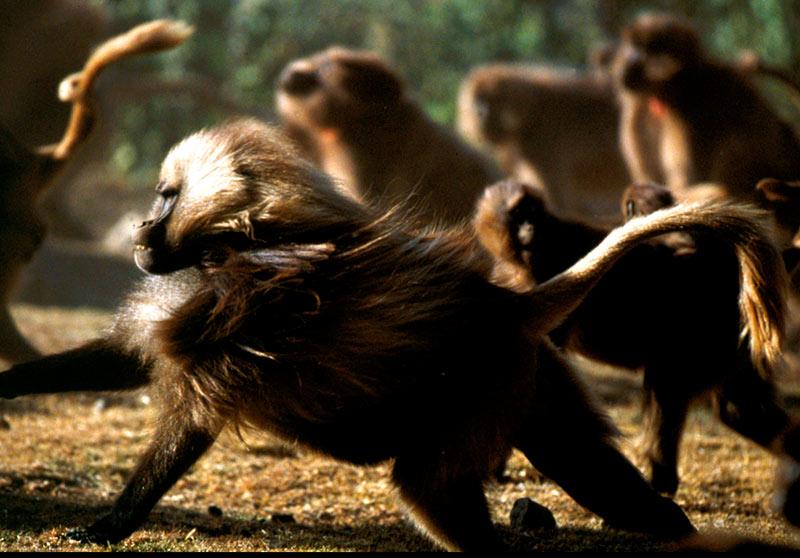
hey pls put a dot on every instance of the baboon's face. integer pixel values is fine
(216, 187)
(506, 218)
(494, 105)
(336, 87)
(783, 198)
(195, 176)
(644, 199)
(655, 49)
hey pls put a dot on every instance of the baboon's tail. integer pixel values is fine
(763, 279)
(77, 88)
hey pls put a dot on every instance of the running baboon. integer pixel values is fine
(280, 303)
(677, 310)
(556, 129)
(358, 122)
(26, 173)
(714, 124)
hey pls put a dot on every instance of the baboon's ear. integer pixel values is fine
(780, 191)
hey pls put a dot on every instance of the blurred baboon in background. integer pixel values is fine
(43, 41)
(26, 173)
(675, 310)
(715, 126)
(556, 129)
(355, 118)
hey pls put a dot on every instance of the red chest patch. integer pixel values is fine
(657, 107)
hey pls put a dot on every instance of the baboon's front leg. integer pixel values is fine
(665, 409)
(178, 444)
(96, 366)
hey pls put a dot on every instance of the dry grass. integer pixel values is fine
(64, 459)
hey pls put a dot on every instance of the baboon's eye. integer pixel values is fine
(167, 190)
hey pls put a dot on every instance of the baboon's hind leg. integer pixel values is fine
(571, 442)
(451, 508)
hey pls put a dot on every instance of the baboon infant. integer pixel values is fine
(556, 129)
(277, 302)
(26, 173)
(353, 116)
(677, 309)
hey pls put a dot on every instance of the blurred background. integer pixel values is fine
(231, 63)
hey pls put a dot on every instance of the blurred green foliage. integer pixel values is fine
(240, 47)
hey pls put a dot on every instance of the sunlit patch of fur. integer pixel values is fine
(204, 170)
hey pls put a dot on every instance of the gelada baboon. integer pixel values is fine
(355, 118)
(715, 126)
(781, 197)
(553, 128)
(279, 302)
(26, 173)
(675, 310)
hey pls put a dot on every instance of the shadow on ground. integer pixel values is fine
(36, 514)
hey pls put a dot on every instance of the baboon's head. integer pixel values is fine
(492, 103)
(655, 49)
(504, 102)
(782, 197)
(238, 186)
(336, 88)
(644, 198)
(505, 220)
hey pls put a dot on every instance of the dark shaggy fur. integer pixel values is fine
(675, 308)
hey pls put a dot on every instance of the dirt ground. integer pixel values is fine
(64, 458)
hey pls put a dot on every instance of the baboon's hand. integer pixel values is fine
(100, 532)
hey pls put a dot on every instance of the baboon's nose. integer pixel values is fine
(298, 81)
